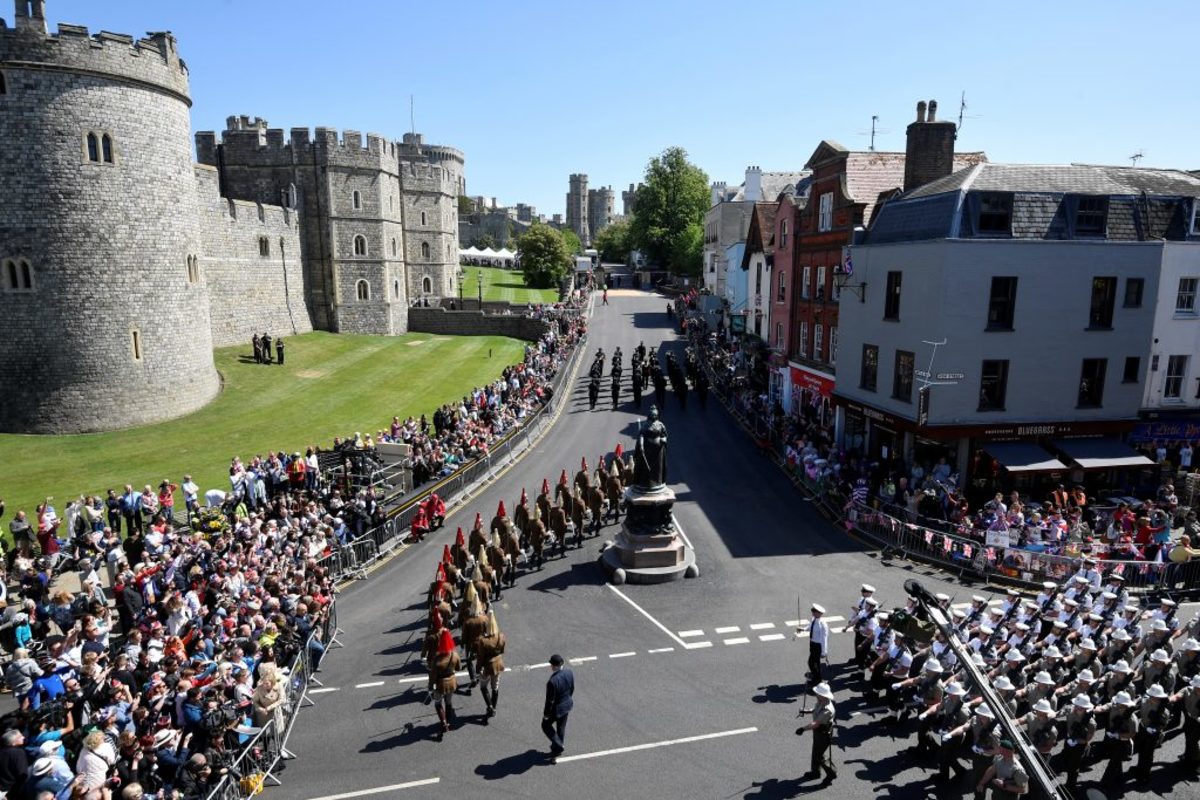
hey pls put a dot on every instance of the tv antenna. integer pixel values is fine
(962, 110)
(1136, 157)
(874, 130)
(412, 116)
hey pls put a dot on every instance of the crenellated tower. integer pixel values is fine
(431, 179)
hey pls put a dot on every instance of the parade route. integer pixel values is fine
(687, 690)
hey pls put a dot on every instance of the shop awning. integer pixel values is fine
(1023, 457)
(1101, 452)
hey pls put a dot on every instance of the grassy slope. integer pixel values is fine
(331, 385)
(504, 285)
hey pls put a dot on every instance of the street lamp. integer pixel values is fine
(480, 285)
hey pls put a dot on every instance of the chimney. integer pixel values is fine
(929, 154)
(753, 186)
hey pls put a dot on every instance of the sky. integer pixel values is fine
(535, 91)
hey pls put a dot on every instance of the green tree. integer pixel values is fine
(614, 242)
(545, 259)
(465, 206)
(668, 223)
(571, 240)
(484, 241)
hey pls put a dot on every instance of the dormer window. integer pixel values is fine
(1196, 217)
(1091, 216)
(995, 214)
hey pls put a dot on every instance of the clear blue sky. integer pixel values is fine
(533, 91)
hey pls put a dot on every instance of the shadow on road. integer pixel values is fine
(511, 765)
(409, 734)
(584, 574)
(775, 789)
(775, 693)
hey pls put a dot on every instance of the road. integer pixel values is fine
(684, 690)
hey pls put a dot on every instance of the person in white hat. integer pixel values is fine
(1080, 729)
(937, 726)
(984, 742)
(861, 612)
(1040, 726)
(1121, 728)
(1006, 776)
(866, 632)
(1153, 718)
(1156, 669)
(822, 726)
(818, 643)
(1189, 700)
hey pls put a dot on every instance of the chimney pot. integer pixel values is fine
(932, 110)
(921, 111)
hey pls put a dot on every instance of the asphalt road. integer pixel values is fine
(683, 690)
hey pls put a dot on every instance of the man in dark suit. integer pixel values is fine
(559, 701)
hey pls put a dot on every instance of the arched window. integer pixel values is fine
(360, 245)
(363, 290)
(10, 275)
(425, 250)
(106, 148)
(427, 285)
(264, 246)
(26, 276)
(357, 200)
(93, 148)
(396, 289)
(193, 269)
(422, 217)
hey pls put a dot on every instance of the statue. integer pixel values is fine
(650, 454)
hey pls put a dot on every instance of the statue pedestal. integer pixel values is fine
(650, 547)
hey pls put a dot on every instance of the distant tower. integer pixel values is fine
(104, 326)
(601, 206)
(577, 207)
(629, 199)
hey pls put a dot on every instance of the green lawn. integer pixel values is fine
(504, 285)
(332, 385)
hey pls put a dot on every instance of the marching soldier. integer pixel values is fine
(1006, 777)
(1040, 727)
(583, 478)
(433, 634)
(562, 492)
(543, 500)
(512, 551)
(615, 491)
(482, 577)
(616, 389)
(595, 499)
(470, 597)
(558, 525)
(660, 388)
(953, 721)
(1118, 738)
(593, 393)
(442, 683)
(578, 507)
(1190, 698)
(537, 536)
(474, 625)
(1153, 718)
(637, 385)
(500, 522)
(984, 744)
(822, 727)
(860, 613)
(489, 661)
(477, 538)
(498, 560)
(521, 513)
(600, 476)
(1080, 728)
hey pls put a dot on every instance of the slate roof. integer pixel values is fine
(871, 173)
(1066, 179)
(773, 185)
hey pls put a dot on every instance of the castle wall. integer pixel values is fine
(475, 323)
(112, 333)
(249, 292)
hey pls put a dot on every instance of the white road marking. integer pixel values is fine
(325, 689)
(395, 787)
(646, 614)
(728, 629)
(698, 645)
(762, 626)
(622, 655)
(582, 659)
(663, 650)
(802, 635)
(770, 637)
(368, 685)
(690, 634)
(792, 623)
(835, 619)
(417, 679)
(737, 640)
(649, 746)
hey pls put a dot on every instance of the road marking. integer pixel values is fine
(395, 787)
(325, 689)
(728, 629)
(663, 650)
(737, 640)
(690, 634)
(698, 645)
(770, 637)
(792, 623)
(622, 655)
(368, 685)
(649, 746)
(762, 626)
(835, 619)
(802, 635)
(582, 659)
(646, 614)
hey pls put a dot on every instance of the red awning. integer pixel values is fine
(812, 381)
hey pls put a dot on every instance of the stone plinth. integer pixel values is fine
(650, 547)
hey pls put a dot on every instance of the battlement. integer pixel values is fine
(250, 140)
(153, 59)
(245, 213)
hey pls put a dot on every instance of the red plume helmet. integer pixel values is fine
(500, 512)
(441, 573)
(435, 619)
(619, 452)
(445, 642)
(478, 520)
(524, 497)
(545, 486)
(446, 557)
(562, 479)
(583, 463)
(459, 539)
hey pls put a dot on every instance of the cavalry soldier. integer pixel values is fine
(615, 491)
(470, 598)
(433, 634)
(512, 551)
(474, 625)
(600, 476)
(822, 727)
(482, 577)
(583, 478)
(537, 536)
(452, 571)
(489, 663)
(558, 524)
(563, 490)
(622, 464)
(595, 500)
(498, 560)
(442, 683)
(440, 591)
(543, 499)
(257, 342)
(1153, 718)
(1080, 728)
(477, 538)
(521, 513)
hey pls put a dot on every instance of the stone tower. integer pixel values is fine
(577, 207)
(431, 179)
(601, 207)
(107, 327)
(629, 199)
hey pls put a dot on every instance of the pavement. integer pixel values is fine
(688, 689)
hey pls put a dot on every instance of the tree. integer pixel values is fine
(571, 240)
(614, 242)
(465, 205)
(483, 241)
(668, 222)
(545, 259)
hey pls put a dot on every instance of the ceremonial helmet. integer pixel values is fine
(446, 557)
(500, 512)
(459, 539)
(524, 497)
(478, 520)
(545, 486)
(445, 642)
(562, 478)
(493, 628)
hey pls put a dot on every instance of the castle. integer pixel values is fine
(123, 262)
(589, 211)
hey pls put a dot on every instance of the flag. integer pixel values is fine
(928, 537)
(947, 545)
(848, 266)
(1119, 569)
(991, 554)
(967, 550)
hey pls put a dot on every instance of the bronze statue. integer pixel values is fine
(650, 454)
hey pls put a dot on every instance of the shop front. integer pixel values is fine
(811, 394)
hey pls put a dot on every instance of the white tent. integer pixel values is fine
(470, 252)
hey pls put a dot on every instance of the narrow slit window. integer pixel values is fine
(360, 245)
(26, 276)
(136, 341)
(106, 148)
(93, 148)
(10, 269)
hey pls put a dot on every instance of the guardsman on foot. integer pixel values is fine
(497, 559)
(512, 551)
(521, 512)
(1189, 698)
(1120, 732)
(500, 522)
(543, 500)
(1153, 718)
(616, 389)
(818, 643)
(984, 744)
(558, 525)
(578, 508)
(583, 478)
(442, 683)
(537, 537)
(562, 491)
(489, 662)
(616, 492)
(433, 634)
(822, 728)
(459, 551)
(595, 500)
(1080, 729)
(474, 625)
(478, 537)
(482, 577)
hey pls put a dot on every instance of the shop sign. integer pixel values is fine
(812, 381)
(1167, 430)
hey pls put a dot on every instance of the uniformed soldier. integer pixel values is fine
(1040, 727)
(266, 347)
(1006, 777)
(578, 507)
(1080, 729)
(660, 388)
(543, 500)
(1157, 669)
(257, 342)
(615, 491)
(984, 744)
(595, 500)
(474, 625)
(1118, 740)
(1190, 701)
(433, 634)
(948, 726)
(562, 490)
(593, 393)
(500, 522)
(636, 385)
(1153, 717)
(928, 691)
(583, 478)
(478, 537)
(558, 525)
(822, 727)
(512, 551)
(521, 513)
(442, 683)
(458, 551)
(482, 577)
(498, 560)
(537, 536)
(489, 651)
(616, 389)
